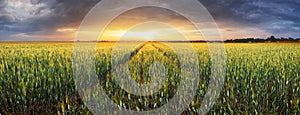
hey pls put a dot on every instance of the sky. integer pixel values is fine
(55, 20)
(166, 25)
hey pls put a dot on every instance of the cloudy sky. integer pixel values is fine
(26, 20)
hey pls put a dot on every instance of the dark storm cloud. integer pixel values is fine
(62, 13)
(275, 16)
(5, 18)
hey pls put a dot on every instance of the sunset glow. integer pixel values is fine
(66, 30)
(134, 34)
(150, 31)
(29, 20)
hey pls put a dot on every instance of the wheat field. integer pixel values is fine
(261, 78)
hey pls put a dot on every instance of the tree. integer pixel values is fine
(272, 39)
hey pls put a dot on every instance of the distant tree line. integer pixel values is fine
(269, 39)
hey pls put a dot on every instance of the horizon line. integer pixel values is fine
(143, 40)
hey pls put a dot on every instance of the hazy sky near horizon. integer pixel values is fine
(59, 19)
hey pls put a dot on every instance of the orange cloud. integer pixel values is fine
(66, 30)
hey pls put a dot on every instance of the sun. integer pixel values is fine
(149, 31)
(145, 35)
(148, 36)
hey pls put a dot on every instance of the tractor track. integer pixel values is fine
(139, 48)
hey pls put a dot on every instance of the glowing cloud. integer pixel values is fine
(66, 30)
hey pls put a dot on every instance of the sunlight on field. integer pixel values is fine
(261, 78)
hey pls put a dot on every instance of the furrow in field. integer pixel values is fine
(136, 51)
